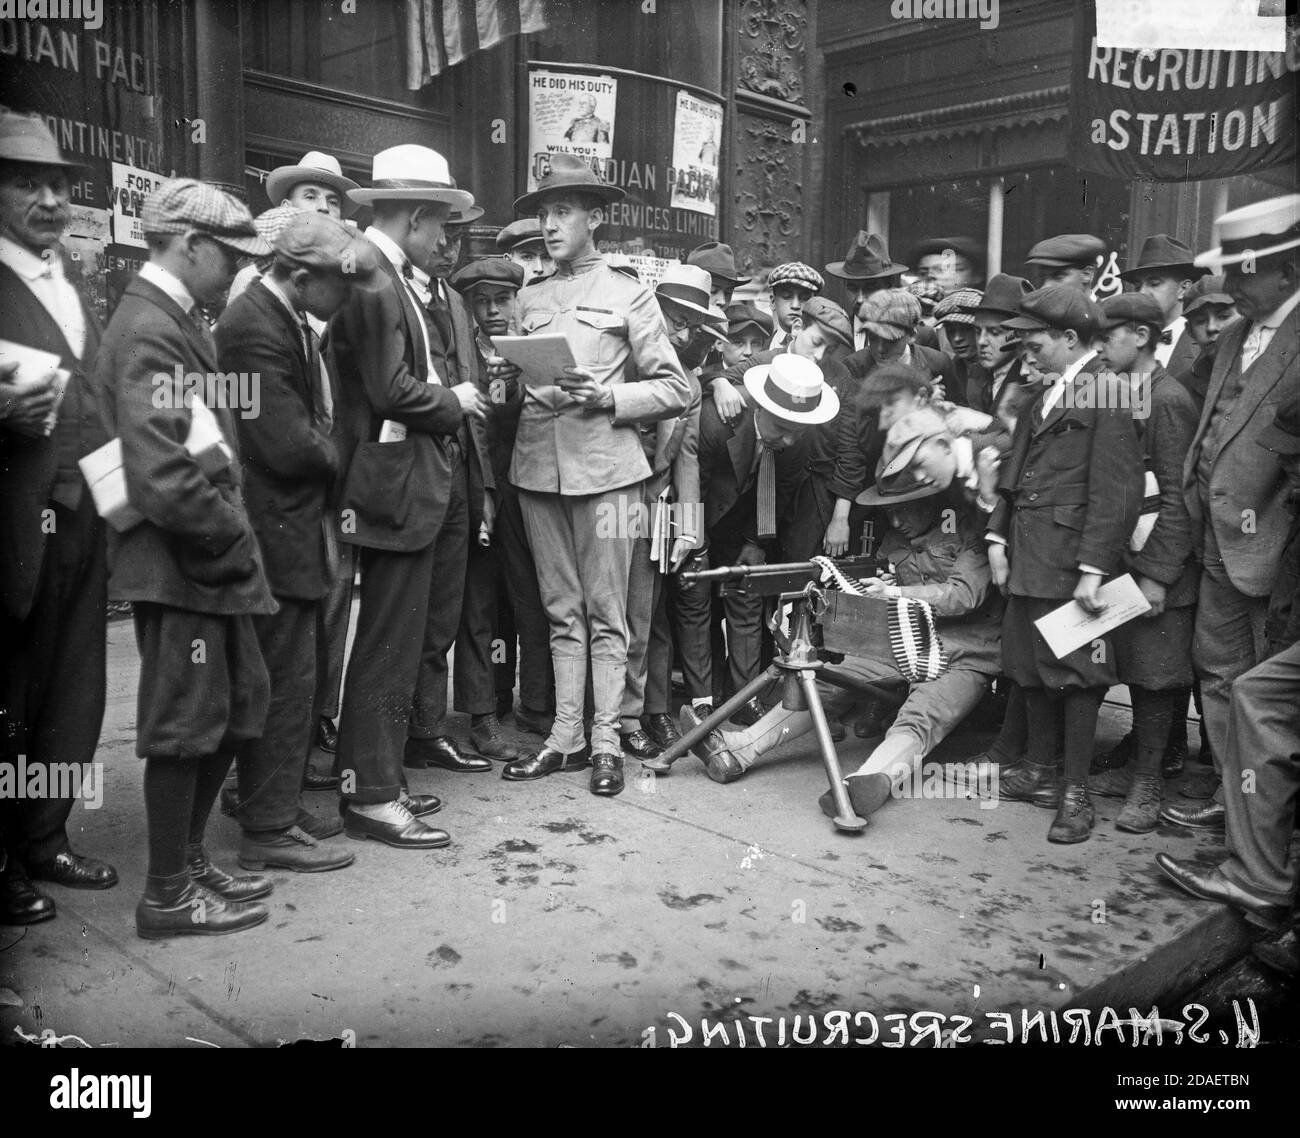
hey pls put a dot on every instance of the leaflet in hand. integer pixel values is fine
(1070, 627)
(541, 358)
(34, 369)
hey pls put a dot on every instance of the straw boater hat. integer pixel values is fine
(793, 389)
(322, 169)
(569, 172)
(1257, 230)
(1163, 253)
(867, 259)
(26, 138)
(684, 289)
(413, 174)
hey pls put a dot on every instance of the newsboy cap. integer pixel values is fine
(890, 313)
(487, 271)
(831, 317)
(317, 241)
(746, 315)
(1131, 308)
(796, 273)
(182, 204)
(1067, 249)
(1206, 291)
(525, 231)
(1062, 307)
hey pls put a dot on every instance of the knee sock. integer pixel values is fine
(1153, 716)
(1014, 733)
(210, 774)
(1079, 708)
(1043, 717)
(168, 804)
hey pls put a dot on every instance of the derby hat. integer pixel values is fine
(183, 204)
(1206, 291)
(1258, 230)
(568, 172)
(1165, 254)
(1002, 296)
(322, 169)
(26, 138)
(793, 389)
(746, 315)
(897, 478)
(717, 259)
(414, 174)
(867, 259)
(962, 246)
(685, 289)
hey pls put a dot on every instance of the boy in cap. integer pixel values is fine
(578, 459)
(1165, 272)
(1208, 311)
(290, 465)
(1071, 489)
(749, 331)
(513, 610)
(952, 263)
(192, 569)
(1069, 259)
(522, 242)
(52, 562)
(1154, 651)
(935, 547)
(791, 286)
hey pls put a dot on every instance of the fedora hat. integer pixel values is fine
(685, 288)
(717, 259)
(569, 172)
(867, 259)
(962, 246)
(743, 314)
(793, 389)
(1257, 230)
(26, 138)
(323, 169)
(897, 478)
(465, 216)
(1163, 253)
(414, 174)
(1002, 296)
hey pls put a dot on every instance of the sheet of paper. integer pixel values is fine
(34, 366)
(1069, 627)
(541, 358)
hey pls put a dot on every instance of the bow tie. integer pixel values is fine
(1166, 337)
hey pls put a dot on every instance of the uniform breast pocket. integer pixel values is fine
(537, 322)
(601, 335)
(1069, 446)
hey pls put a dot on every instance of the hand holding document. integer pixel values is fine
(1070, 627)
(34, 371)
(542, 359)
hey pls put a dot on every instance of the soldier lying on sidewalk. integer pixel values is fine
(935, 546)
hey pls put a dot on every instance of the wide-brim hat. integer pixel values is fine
(686, 289)
(963, 246)
(569, 172)
(867, 259)
(1258, 230)
(465, 216)
(793, 389)
(1163, 253)
(897, 480)
(415, 174)
(717, 259)
(27, 138)
(322, 169)
(1001, 297)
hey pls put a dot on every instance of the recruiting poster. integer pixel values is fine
(697, 140)
(130, 187)
(569, 113)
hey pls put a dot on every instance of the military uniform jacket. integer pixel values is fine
(616, 330)
(1071, 490)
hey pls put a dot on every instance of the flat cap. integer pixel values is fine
(1058, 306)
(488, 270)
(955, 307)
(831, 317)
(1131, 308)
(270, 222)
(1206, 291)
(1067, 249)
(743, 315)
(890, 313)
(521, 232)
(796, 273)
(317, 241)
(182, 204)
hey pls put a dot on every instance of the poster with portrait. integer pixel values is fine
(697, 140)
(569, 113)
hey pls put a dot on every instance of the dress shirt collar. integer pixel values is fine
(171, 284)
(389, 248)
(1070, 372)
(28, 265)
(1175, 328)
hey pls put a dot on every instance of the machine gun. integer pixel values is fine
(798, 665)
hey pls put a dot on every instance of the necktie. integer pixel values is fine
(320, 388)
(1252, 345)
(766, 493)
(440, 315)
(1166, 337)
(200, 323)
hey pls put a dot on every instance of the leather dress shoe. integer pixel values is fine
(196, 911)
(327, 735)
(534, 722)
(421, 805)
(225, 885)
(21, 903)
(396, 828)
(662, 728)
(1030, 782)
(442, 753)
(291, 849)
(312, 780)
(546, 761)
(321, 829)
(1075, 816)
(712, 751)
(487, 741)
(749, 713)
(74, 870)
(607, 774)
(1214, 886)
(1211, 816)
(639, 745)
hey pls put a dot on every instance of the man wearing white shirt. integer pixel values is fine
(52, 559)
(1166, 273)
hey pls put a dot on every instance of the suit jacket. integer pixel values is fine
(290, 461)
(729, 478)
(35, 472)
(1247, 493)
(195, 549)
(672, 448)
(1071, 490)
(1184, 354)
(394, 493)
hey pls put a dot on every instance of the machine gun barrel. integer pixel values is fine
(782, 577)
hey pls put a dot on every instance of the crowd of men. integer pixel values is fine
(1001, 447)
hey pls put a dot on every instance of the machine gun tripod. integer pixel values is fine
(798, 664)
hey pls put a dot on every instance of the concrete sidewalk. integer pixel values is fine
(556, 917)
